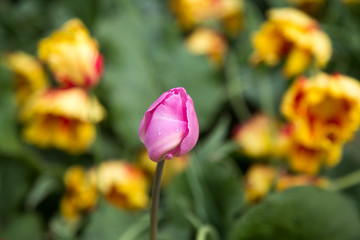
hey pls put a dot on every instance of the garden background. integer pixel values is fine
(209, 194)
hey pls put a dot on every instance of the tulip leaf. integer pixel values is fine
(15, 181)
(216, 201)
(299, 213)
(110, 223)
(215, 139)
(42, 188)
(9, 142)
(27, 227)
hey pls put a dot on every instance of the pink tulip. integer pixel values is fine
(169, 127)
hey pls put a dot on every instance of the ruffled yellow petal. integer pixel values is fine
(207, 42)
(261, 136)
(269, 45)
(73, 136)
(194, 12)
(258, 180)
(324, 109)
(74, 103)
(122, 184)
(72, 55)
(29, 75)
(289, 181)
(297, 61)
(290, 33)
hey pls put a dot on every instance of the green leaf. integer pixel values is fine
(299, 213)
(27, 227)
(225, 186)
(43, 187)
(208, 193)
(211, 144)
(9, 142)
(110, 223)
(14, 183)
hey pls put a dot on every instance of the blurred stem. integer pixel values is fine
(204, 230)
(266, 95)
(346, 181)
(196, 189)
(236, 96)
(207, 230)
(97, 146)
(194, 220)
(155, 199)
(136, 229)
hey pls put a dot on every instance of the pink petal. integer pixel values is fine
(147, 116)
(193, 128)
(163, 135)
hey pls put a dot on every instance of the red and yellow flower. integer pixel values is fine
(191, 13)
(62, 118)
(72, 55)
(80, 194)
(310, 158)
(29, 74)
(291, 34)
(204, 41)
(123, 184)
(287, 181)
(351, 2)
(324, 109)
(258, 181)
(261, 179)
(261, 136)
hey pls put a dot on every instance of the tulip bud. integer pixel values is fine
(169, 127)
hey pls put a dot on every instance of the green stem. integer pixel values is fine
(346, 181)
(235, 91)
(155, 199)
(136, 229)
(207, 230)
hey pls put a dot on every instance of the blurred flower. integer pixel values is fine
(62, 118)
(258, 182)
(309, 158)
(80, 195)
(309, 6)
(122, 184)
(204, 41)
(289, 181)
(261, 136)
(171, 169)
(260, 179)
(291, 34)
(29, 75)
(72, 55)
(324, 109)
(170, 127)
(195, 12)
(351, 2)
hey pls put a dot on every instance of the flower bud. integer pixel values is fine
(169, 127)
